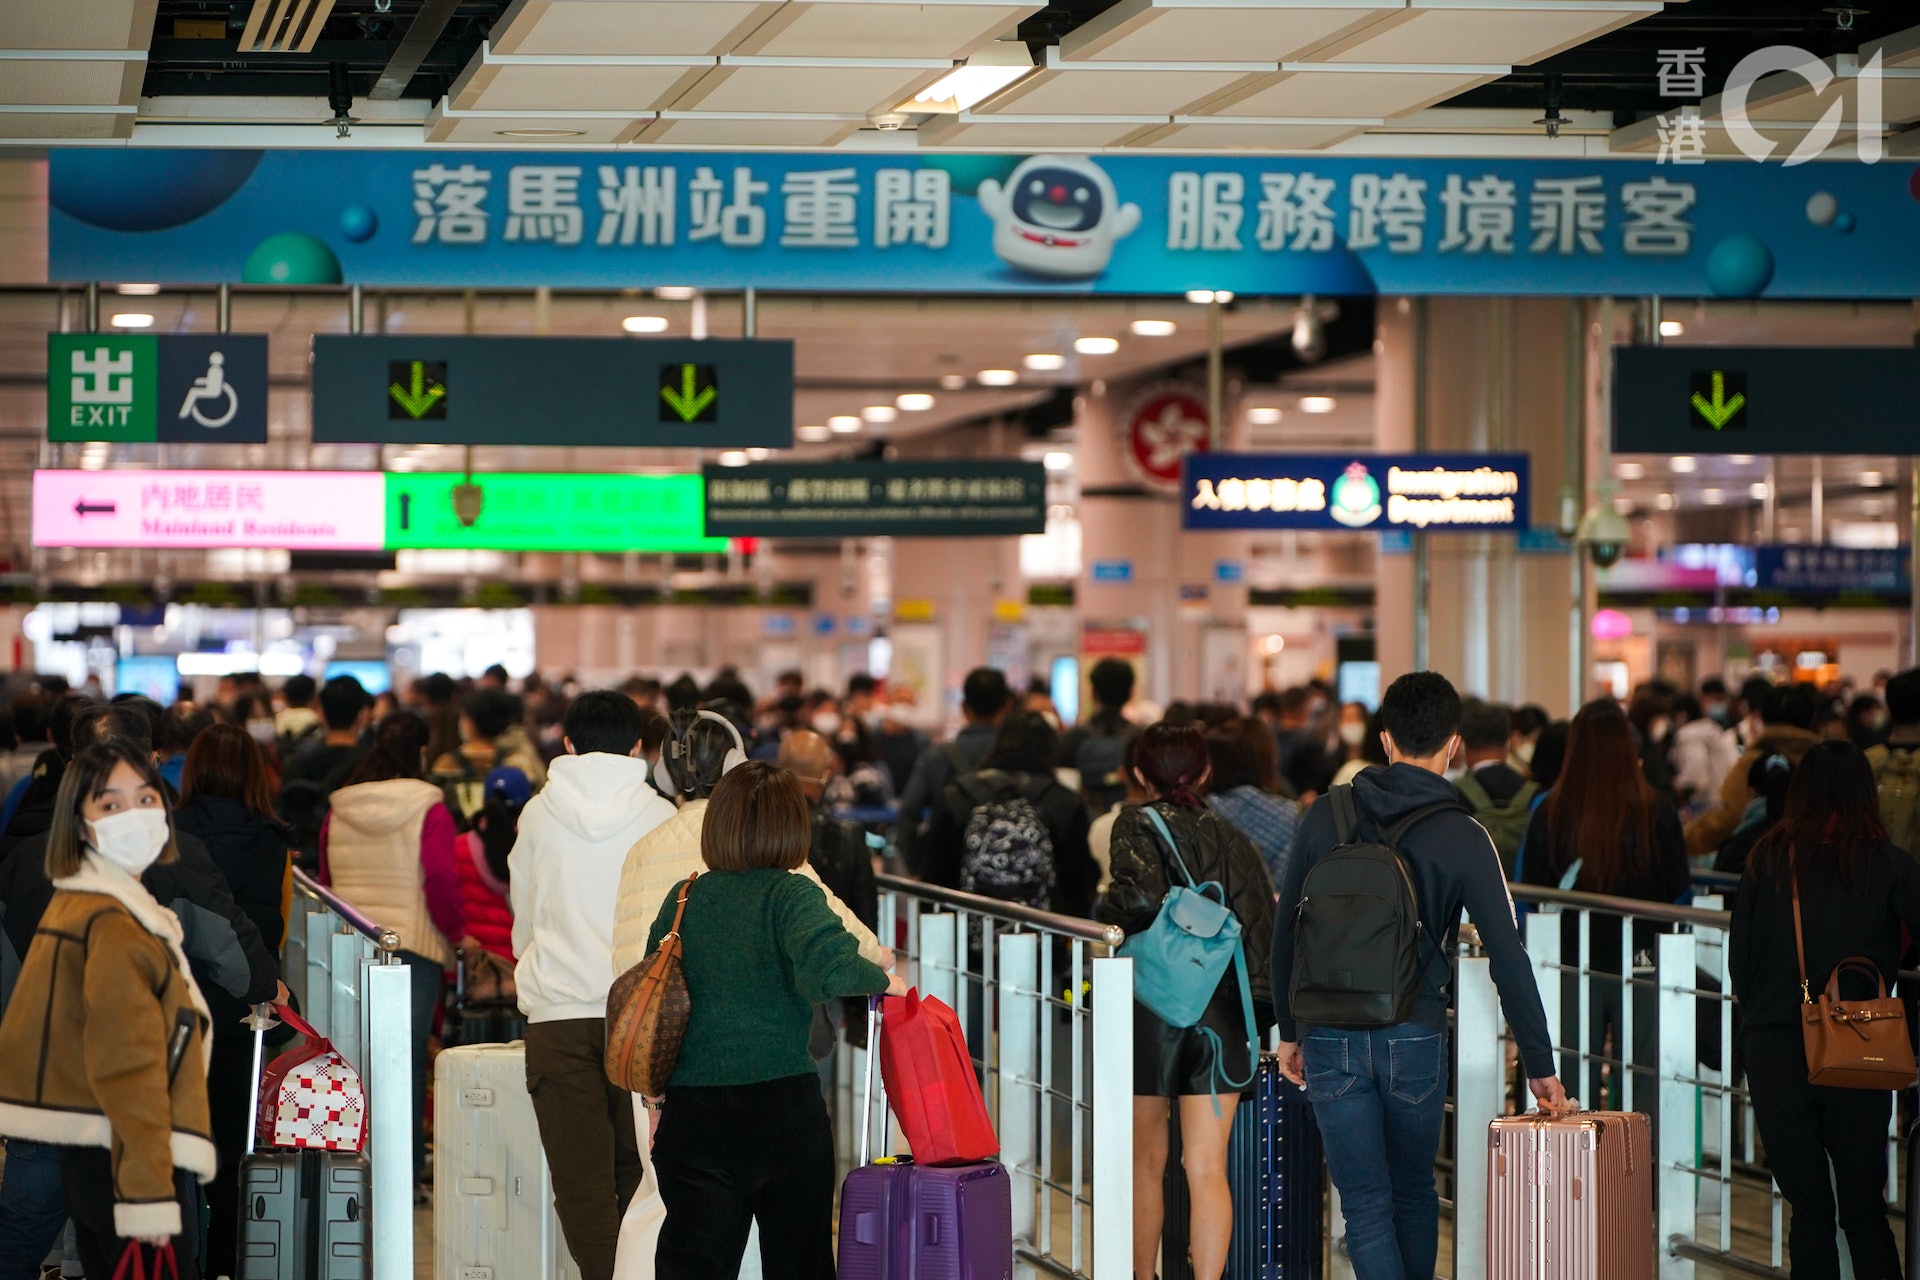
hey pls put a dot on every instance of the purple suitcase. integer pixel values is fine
(903, 1221)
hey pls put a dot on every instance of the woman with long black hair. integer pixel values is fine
(1856, 890)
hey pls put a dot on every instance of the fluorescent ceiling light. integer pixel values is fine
(1740, 459)
(1058, 460)
(541, 133)
(975, 80)
(675, 292)
(1871, 479)
(1096, 346)
(1671, 328)
(1623, 505)
(1202, 297)
(1665, 502)
(1629, 470)
(845, 424)
(879, 413)
(1264, 415)
(1153, 328)
(1045, 361)
(132, 320)
(813, 433)
(998, 377)
(914, 401)
(644, 324)
(1318, 404)
(733, 458)
(139, 290)
(1682, 464)
(1713, 497)
(1758, 489)
(759, 455)
(953, 382)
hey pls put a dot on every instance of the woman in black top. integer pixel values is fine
(1603, 829)
(1856, 891)
(1171, 766)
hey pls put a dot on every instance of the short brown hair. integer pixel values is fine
(757, 817)
(86, 777)
(225, 761)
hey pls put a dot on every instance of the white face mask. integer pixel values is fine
(1524, 753)
(826, 723)
(130, 840)
(261, 730)
(1353, 734)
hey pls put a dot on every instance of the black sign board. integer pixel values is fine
(460, 389)
(861, 499)
(1766, 400)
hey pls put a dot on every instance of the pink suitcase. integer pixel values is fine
(1570, 1197)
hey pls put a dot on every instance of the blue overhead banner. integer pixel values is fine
(908, 222)
(1461, 492)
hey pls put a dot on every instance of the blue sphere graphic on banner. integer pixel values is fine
(128, 189)
(1740, 267)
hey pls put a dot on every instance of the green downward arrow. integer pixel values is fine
(688, 402)
(420, 397)
(1720, 410)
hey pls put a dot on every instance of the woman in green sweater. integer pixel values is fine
(743, 1134)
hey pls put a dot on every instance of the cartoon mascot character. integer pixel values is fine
(1057, 216)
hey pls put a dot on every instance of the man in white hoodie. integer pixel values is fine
(565, 880)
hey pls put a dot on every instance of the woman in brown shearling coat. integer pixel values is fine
(103, 1050)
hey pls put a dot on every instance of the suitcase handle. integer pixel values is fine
(260, 1019)
(873, 1065)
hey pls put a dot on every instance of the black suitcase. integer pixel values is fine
(304, 1214)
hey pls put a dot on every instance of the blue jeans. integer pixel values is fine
(1380, 1098)
(33, 1207)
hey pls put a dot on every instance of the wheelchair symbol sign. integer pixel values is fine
(211, 389)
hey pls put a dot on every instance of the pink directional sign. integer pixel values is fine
(297, 510)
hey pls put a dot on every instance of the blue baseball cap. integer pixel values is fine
(509, 786)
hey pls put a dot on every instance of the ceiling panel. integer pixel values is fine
(774, 86)
(1515, 32)
(76, 24)
(883, 28)
(69, 82)
(1902, 49)
(1018, 131)
(710, 129)
(37, 122)
(546, 128)
(1320, 90)
(496, 82)
(1790, 97)
(1218, 30)
(628, 26)
(1113, 88)
(1214, 134)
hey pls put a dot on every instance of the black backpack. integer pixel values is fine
(1357, 932)
(843, 860)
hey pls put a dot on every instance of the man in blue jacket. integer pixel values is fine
(1380, 1095)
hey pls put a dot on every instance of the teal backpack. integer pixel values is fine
(1178, 961)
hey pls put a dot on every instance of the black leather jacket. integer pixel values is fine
(1213, 849)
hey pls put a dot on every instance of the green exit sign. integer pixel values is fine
(551, 512)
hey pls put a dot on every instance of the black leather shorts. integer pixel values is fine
(1178, 1062)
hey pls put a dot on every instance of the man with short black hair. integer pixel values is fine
(1380, 1095)
(1786, 713)
(313, 773)
(1896, 763)
(564, 882)
(1499, 796)
(984, 698)
(297, 722)
(1100, 747)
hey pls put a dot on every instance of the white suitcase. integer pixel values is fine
(493, 1215)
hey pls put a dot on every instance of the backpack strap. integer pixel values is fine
(1398, 831)
(950, 752)
(1346, 814)
(1160, 825)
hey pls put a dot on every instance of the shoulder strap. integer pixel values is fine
(1476, 795)
(1799, 940)
(1160, 825)
(680, 908)
(1398, 831)
(1346, 814)
(951, 752)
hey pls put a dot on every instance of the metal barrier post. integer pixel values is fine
(942, 955)
(347, 951)
(387, 1067)
(1112, 1053)
(1478, 1094)
(1543, 947)
(1675, 961)
(1022, 1089)
(319, 987)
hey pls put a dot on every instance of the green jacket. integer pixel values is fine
(761, 949)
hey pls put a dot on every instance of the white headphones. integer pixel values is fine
(676, 747)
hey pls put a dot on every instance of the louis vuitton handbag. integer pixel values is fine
(647, 1013)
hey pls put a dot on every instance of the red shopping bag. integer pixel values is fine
(930, 1083)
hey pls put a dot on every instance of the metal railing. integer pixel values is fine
(353, 987)
(1048, 1010)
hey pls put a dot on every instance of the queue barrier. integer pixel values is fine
(346, 972)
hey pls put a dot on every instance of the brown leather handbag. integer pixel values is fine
(1852, 1044)
(647, 1013)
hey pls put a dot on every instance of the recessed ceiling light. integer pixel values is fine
(1264, 415)
(139, 290)
(845, 424)
(1682, 465)
(1318, 404)
(997, 377)
(1045, 361)
(1665, 502)
(981, 76)
(1202, 297)
(1153, 328)
(1629, 470)
(914, 401)
(1096, 346)
(733, 458)
(813, 433)
(953, 382)
(1872, 479)
(1058, 460)
(759, 455)
(644, 324)
(1713, 497)
(132, 320)
(1623, 505)
(541, 133)
(675, 292)
(1758, 489)
(1740, 459)
(1671, 328)
(879, 413)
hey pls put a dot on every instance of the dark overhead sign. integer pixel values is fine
(457, 389)
(1765, 399)
(870, 499)
(1369, 492)
(172, 388)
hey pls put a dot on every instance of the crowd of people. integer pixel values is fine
(530, 844)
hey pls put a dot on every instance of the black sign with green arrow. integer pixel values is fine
(1765, 400)
(467, 389)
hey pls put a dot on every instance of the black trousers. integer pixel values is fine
(230, 1088)
(1804, 1128)
(88, 1175)
(729, 1156)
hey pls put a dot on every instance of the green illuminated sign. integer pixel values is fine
(417, 388)
(1719, 397)
(550, 512)
(689, 393)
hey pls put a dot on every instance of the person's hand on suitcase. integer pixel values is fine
(1292, 1066)
(887, 959)
(1551, 1094)
(896, 985)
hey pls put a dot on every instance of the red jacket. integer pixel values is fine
(483, 898)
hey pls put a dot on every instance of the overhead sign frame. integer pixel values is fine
(919, 498)
(1765, 400)
(1358, 492)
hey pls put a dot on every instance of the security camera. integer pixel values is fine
(1604, 533)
